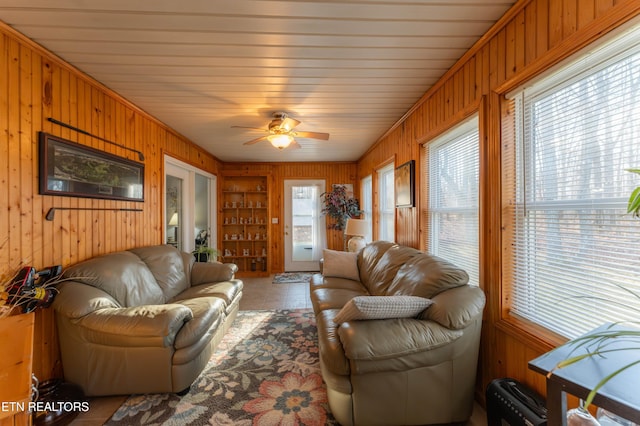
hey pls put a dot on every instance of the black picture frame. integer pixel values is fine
(70, 169)
(404, 180)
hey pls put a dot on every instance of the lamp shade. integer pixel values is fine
(280, 141)
(358, 227)
(174, 220)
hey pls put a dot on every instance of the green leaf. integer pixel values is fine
(602, 382)
(634, 202)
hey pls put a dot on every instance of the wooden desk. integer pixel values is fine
(621, 395)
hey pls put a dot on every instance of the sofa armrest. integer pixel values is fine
(456, 308)
(212, 272)
(140, 326)
(78, 300)
(374, 340)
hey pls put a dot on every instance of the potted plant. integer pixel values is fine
(205, 253)
(339, 206)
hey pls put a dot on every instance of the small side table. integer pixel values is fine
(621, 395)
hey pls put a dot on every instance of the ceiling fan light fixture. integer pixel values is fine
(280, 141)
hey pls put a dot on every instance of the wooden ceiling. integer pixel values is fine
(349, 68)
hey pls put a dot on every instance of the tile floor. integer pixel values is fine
(259, 293)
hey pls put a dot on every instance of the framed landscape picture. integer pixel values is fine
(68, 168)
(405, 185)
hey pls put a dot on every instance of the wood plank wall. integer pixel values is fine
(35, 85)
(279, 172)
(531, 37)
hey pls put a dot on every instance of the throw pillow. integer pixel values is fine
(381, 307)
(340, 264)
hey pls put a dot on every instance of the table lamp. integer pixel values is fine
(174, 222)
(357, 228)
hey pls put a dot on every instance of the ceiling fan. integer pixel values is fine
(281, 132)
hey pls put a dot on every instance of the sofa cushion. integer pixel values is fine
(167, 266)
(208, 272)
(426, 276)
(122, 275)
(369, 256)
(379, 272)
(228, 291)
(381, 307)
(389, 339)
(340, 264)
(334, 298)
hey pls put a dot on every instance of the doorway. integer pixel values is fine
(190, 208)
(305, 233)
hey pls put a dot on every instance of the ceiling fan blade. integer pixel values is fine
(251, 142)
(289, 123)
(246, 127)
(294, 145)
(313, 135)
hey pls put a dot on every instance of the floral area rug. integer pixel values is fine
(292, 277)
(265, 372)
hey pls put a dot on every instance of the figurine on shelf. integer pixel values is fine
(264, 251)
(257, 237)
(226, 236)
(249, 236)
(227, 253)
(234, 204)
(226, 220)
(250, 204)
(226, 204)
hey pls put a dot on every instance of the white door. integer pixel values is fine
(305, 233)
(190, 208)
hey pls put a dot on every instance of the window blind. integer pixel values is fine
(574, 254)
(453, 165)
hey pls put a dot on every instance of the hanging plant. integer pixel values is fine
(339, 206)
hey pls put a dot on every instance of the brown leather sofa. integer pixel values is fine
(144, 320)
(416, 369)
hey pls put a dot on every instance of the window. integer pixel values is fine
(386, 204)
(366, 205)
(453, 165)
(574, 258)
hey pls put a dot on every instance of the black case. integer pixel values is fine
(514, 403)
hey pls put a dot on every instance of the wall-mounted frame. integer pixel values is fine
(404, 178)
(74, 170)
